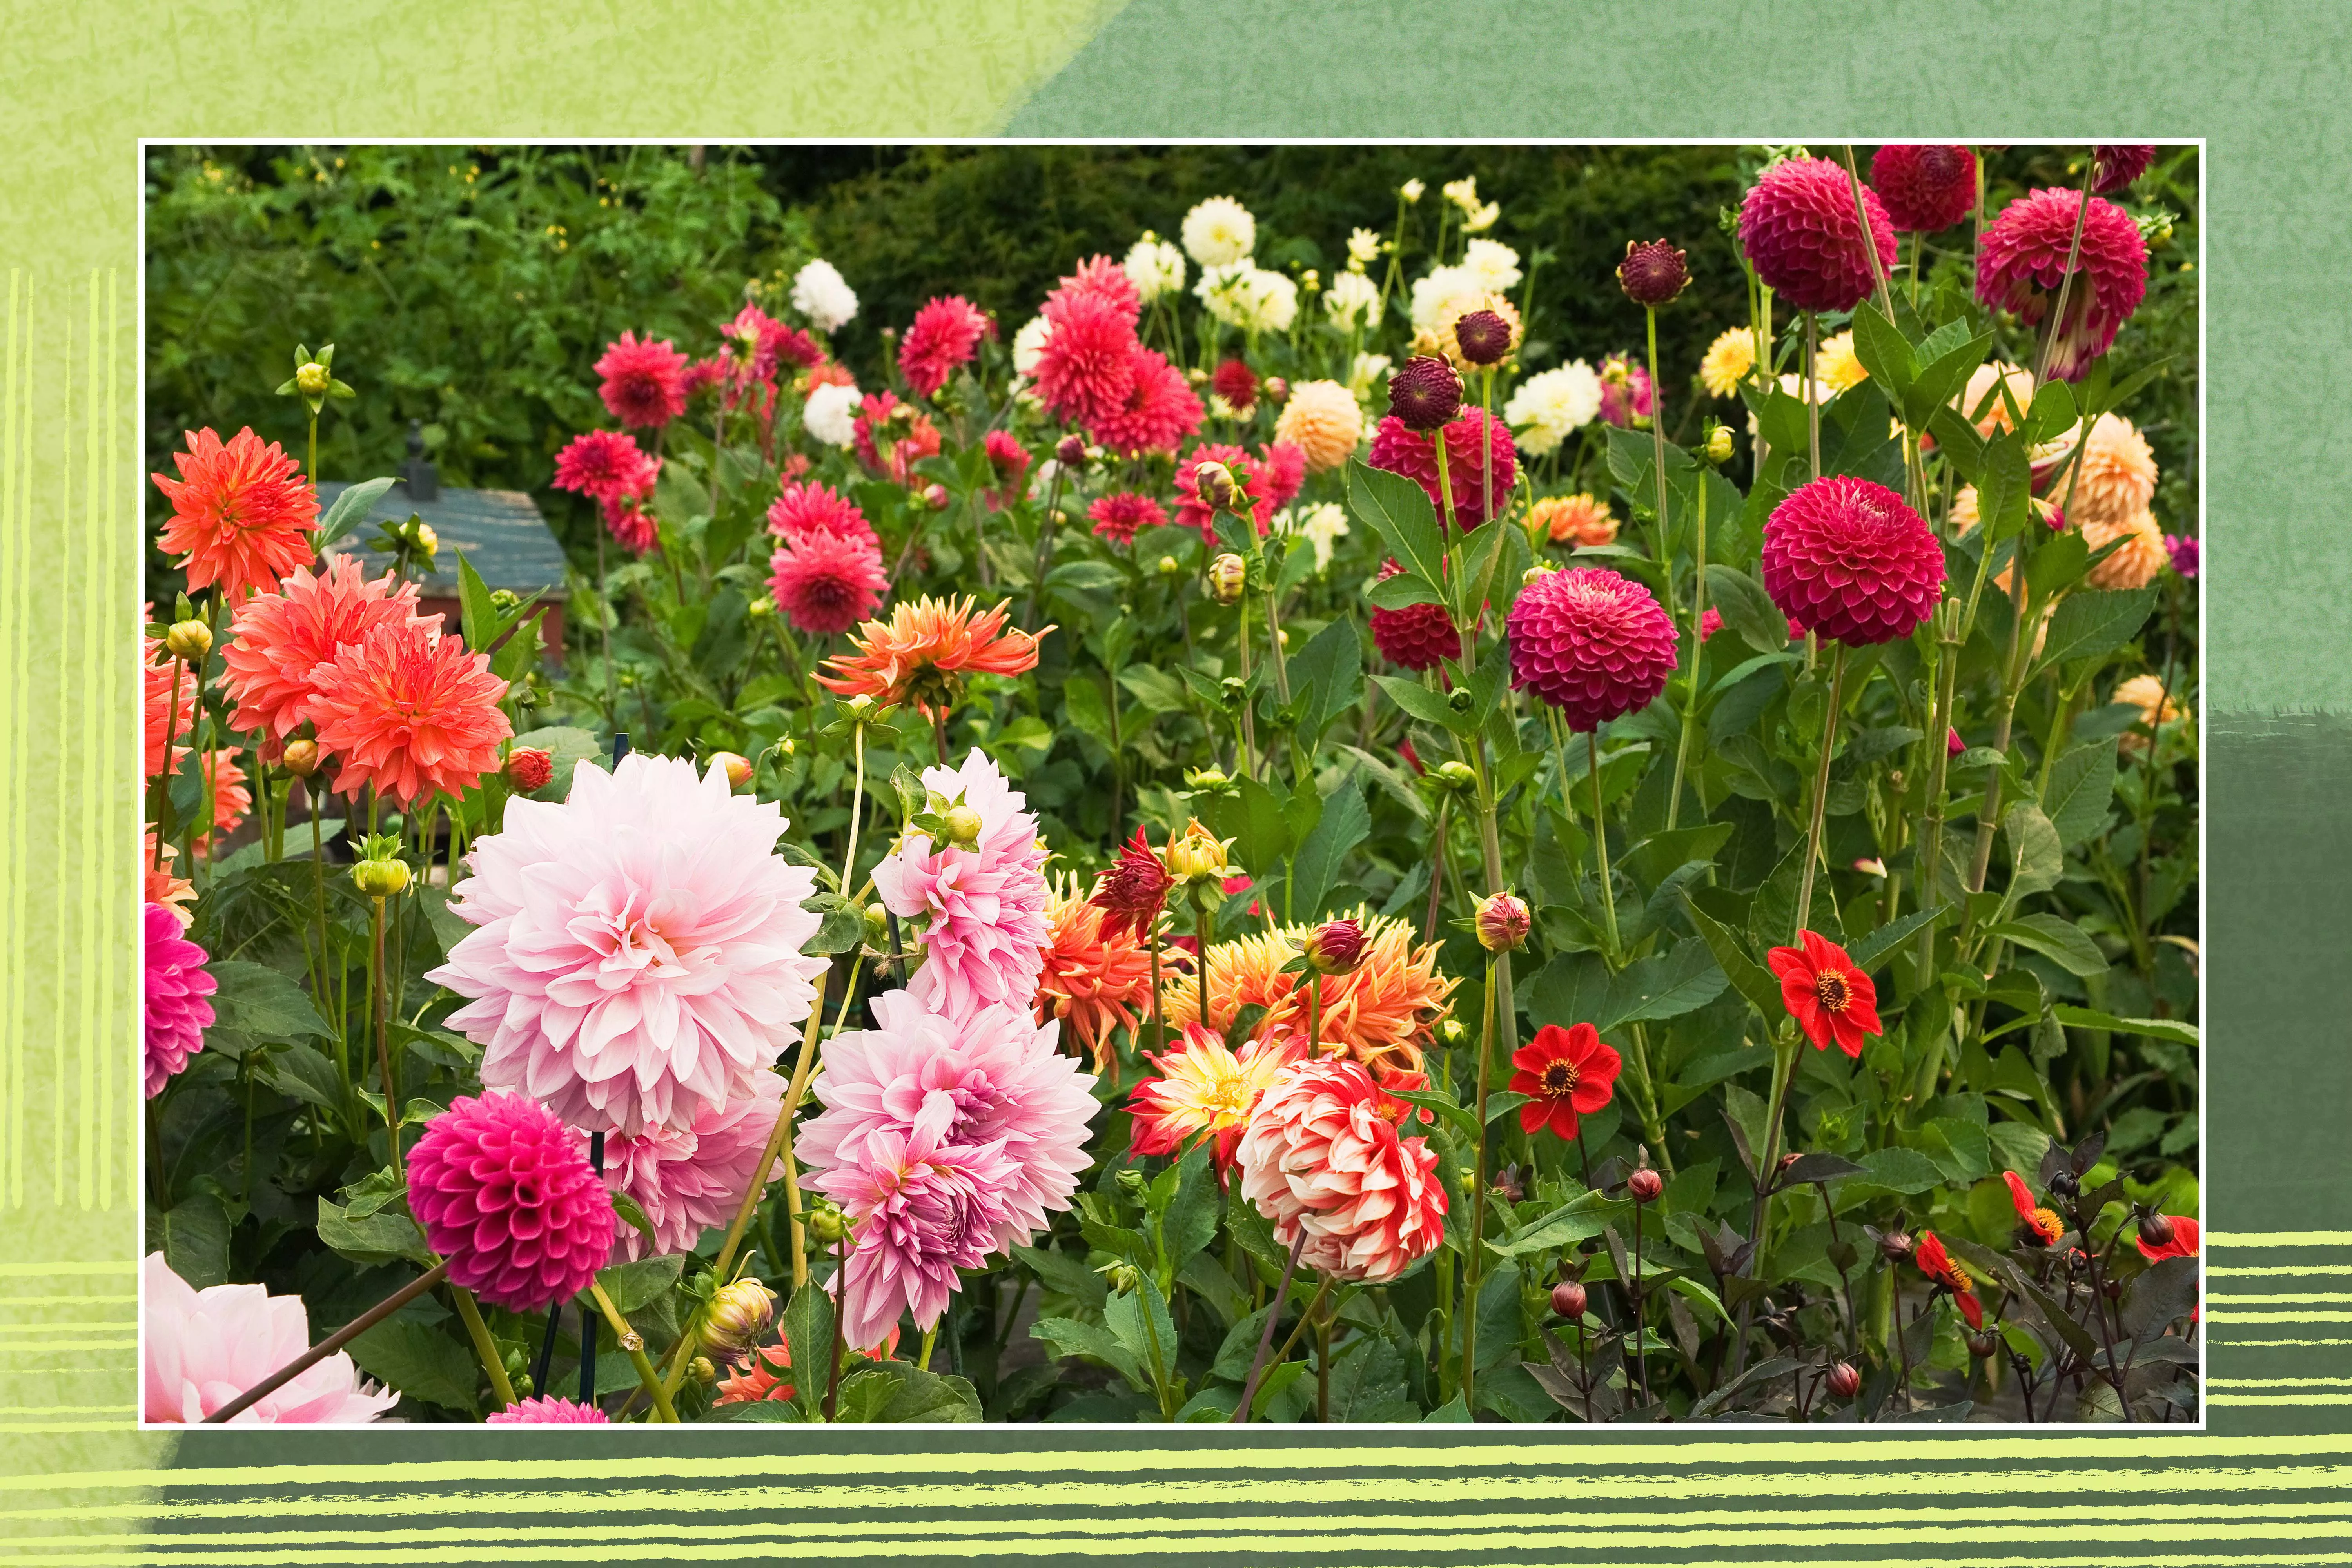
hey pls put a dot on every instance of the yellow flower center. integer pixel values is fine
(1830, 988)
(1560, 1080)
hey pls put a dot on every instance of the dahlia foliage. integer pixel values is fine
(1222, 840)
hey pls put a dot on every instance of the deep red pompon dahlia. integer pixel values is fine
(2118, 166)
(1846, 559)
(1926, 189)
(505, 1192)
(2023, 260)
(1417, 637)
(1592, 644)
(1798, 229)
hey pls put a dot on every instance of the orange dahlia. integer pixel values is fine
(1576, 521)
(411, 713)
(1204, 1087)
(1381, 1014)
(281, 638)
(240, 514)
(224, 781)
(1098, 975)
(174, 893)
(924, 651)
(2137, 562)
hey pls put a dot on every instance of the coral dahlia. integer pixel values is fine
(826, 582)
(201, 1349)
(1849, 560)
(177, 984)
(1926, 189)
(2116, 476)
(1575, 520)
(985, 906)
(409, 713)
(1117, 516)
(1834, 1002)
(168, 712)
(1320, 1158)
(503, 1190)
(1203, 1087)
(1098, 975)
(1592, 644)
(944, 335)
(644, 381)
(2022, 262)
(1565, 1074)
(1800, 230)
(1400, 451)
(240, 516)
(926, 649)
(278, 641)
(1416, 637)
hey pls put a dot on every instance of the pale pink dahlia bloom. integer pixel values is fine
(204, 1347)
(639, 958)
(1322, 1156)
(986, 906)
(689, 1179)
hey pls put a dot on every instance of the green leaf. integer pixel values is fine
(1086, 576)
(1943, 374)
(1138, 1318)
(193, 1236)
(2059, 940)
(1419, 700)
(627, 1207)
(2082, 784)
(1581, 1218)
(1461, 1116)
(1573, 988)
(1397, 511)
(1190, 1220)
(1902, 1172)
(384, 1236)
(478, 618)
(1747, 609)
(1082, 705)
(420, 1360)
(2093, 624)
(1403, 591)
(350, 510)
(1331, 667)
(299, 1070)
(2052, 412)
(2037, 857)
(1254, 819)
(1665, 985)
(2170, 1030)
(808, 1337)
(1060, 1271)
(1870, 948)
(1882, 351)
(2004, 485)
(1067, 1336)
(1345, 824)
(635, 1285)
(1154, 687)
(261, 1001)
(1750, 978)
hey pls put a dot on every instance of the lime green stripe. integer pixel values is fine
(60, 1038)
(2238, 1343)
(11, 981)
(9, 1301)
(2224, 1271)
(113, 675)
(93, 590)
(39, 1271)
(2279, 1239)
(2221, 1314)
(20, 764)
(70, 1326)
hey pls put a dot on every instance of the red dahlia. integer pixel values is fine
(1424, 393)
(2023, 260)
(1592, 644)
(2117, 167)
(644, 381)
(1565, 1073)
(1417, 637)
(2033, 1220)
(944, 334)
(1156, 412)
(1134, 890)
(1117, 517)
(1847, 559)
(1400, 451)
(1236, 383)
(1833, 1001)
(1926, 189)
(1798, 229)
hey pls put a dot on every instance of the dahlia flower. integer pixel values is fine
(1282, 467)
(644, 381)
(1592, 644)
(603, 465)
(1352, 301)
(1849, 560)
(169, 714)
(239, 515)
(985, 906)
(630, 524)
(1010, 460)
(278, 640)
(2183, 548)
(686, 1180)
(2137, 563)
(1158, 411)
(1834, 1002)
(1324, 421)
(1382, 1012)
(945, 334)
(1117, 517)
(1203, 1087)
(2156, 707)
(801, 508)
(1925, 189)
(2118, 166)
(1652, 273)
(1493, 267)
(409, 713)
(1105, 279)
(1800, 230)
(1320, 1158)
(2184, 1238)
(1400, 451)
(1416, 637)
(1322, 525)
(1028, 343)
(1728, 361)
(1219, 231)
(504, 1191)
(1552, 404)
(1250, 488)
(1087, 365)
(2037, 1221)
(2022, 262)
(825, 582)
(1439, 287)
(1565, 1074)
(159, 886)
(2117, 474)
(823, 296)
(177, 984)
(1937, 1266)
(924, 651)
(639, 959)
(1134, 892)
(763, 345)
(1836, 366)
(1155, 267)
(1234, 381)
(225, 797)
(830, 414)
(1626, 394)
(889, 443)
(547, 1410)
(1576, 521)
(1446, 327)
(1244, 295)
(1097, 976)
(201, 1349)
(919, 1209)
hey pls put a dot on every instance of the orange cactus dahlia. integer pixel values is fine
(1098, 975)
(921, 652)
(240, 513)
(409, 713)
(1381, 1014)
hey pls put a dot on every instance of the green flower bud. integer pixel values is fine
(381, 879)
(963, 826)
(189, 641)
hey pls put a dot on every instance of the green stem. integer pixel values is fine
(1472, 1270)
(1821, 796)
(1600, 843)
(485, 1348)
(1698, 630)
(634, 1343)
(1658, 461)
(383, 1049)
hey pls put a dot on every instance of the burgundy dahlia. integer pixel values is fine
(1848, 560)
(1236, 383)
(1592, 644)
(2116, 167)
(1926, 189)
(1397, 451)
(1417, 637)
(177, 984)
(1798, 229)
(1484, 337)
(2023, 260)
(1652, 274)
(1134, 890)
(1424, 393)
(504, 1191)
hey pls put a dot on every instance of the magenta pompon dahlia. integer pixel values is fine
(2024, 261)
(1926, 188)
(1798, 229)
(638, 961)
(688, 1180)
(177, 984)
(1592, 644)
(1848, 560)
(984, 908)
(504, 1191)
(1417, 637)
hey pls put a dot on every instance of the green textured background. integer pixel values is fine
(2270, 1482)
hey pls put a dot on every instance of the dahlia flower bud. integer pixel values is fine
(1170, 566)
(1645, 1185)
(381, 879)
(1718, 445)
(1454, 774)
(1213, 483)
(1953, 744)
(1844, 1381)
(1894, 1246)
(1228, 578)
(1484, 337)
(737, 767)
(738, 1317)
(703, 1370)
(300, 757)
(1274, 390)
(1502, 923)
(1071, 452)
(936, 498)
(1568, 1299)
(963, 826)
(824, 1223)
(1652, 274)
(1540, 569)
(1453, 1033)
(1984, 1345)
(313, 379)
(2155, 1229)
(528, 769)
(1425, 393)
(421, 536)
(1197, 856)
(1205, 780)
(760, 608)
(189, 641)
(1335, 947)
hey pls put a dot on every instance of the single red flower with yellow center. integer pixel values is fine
(239, 513)
(1833, 1001)
(2041, 1224)
(1937, 1265)
(1565, 1073)
(924, 651)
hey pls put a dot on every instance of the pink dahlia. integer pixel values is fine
(504, 1191)
(638, 961)
(762, 345)
(919, 1209)
(828, 582)
(944, 335)
(1925, 189)
(689, 1179)
(548, 1410)
(1626, 394)
(892, 438)
(985, 906)
(1009, 459)
(2023, 260)
(1798, 229)
(1321, 1156)
(1592, 644)
(1235, 383)
(1099, 278)
(630, 524)
(1400, 451)
(1284, 466)
(1419, 636)
(995, 1077)
(803, 506)
(2118, 167)
(1118, 517)
(603, 465)
(1848, 560)
(202, 1348)
(278, 640)
(1249, 484)
(644, 381)
(1157, 413)
(409, 713)
(1087, 364)
(177, 984)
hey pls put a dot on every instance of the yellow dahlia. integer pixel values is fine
(1204, 1087)
(1836, 366)
(2141, 557)
(1727, 362)
(1382, 1013)
(1096, 980)
(1324, 420)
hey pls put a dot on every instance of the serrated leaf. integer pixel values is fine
(1666, 985)
(350, 510)
(2082, 785)
(193, 1236)
(1868, 949)
(2093, 624)
(1748, 978)
(1398, 510)
(420, 1360)
(1419, 700)
(1747, 609)
(634, 1285)
(2037, 857)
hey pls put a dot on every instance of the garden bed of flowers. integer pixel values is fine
(1227, 851)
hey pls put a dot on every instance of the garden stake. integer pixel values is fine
(330, 1345)
(1266, 1340)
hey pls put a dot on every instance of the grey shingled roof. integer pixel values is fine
(500, 532)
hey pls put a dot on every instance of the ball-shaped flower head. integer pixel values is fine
(504, 1191)
(551, 1410)
(1324, 421)
(2023, 263)
(637, 960)
(1322, 1157)
(1653, 272)
(1416, 637)
(1848, 560)
(2118, 166)
(1478, 471)
(1799, 228)
(945, 334)
(1592, 644)
(1424, 393)
(177, 984)
(1926, 188)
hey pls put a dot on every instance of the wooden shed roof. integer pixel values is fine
(500, 532)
